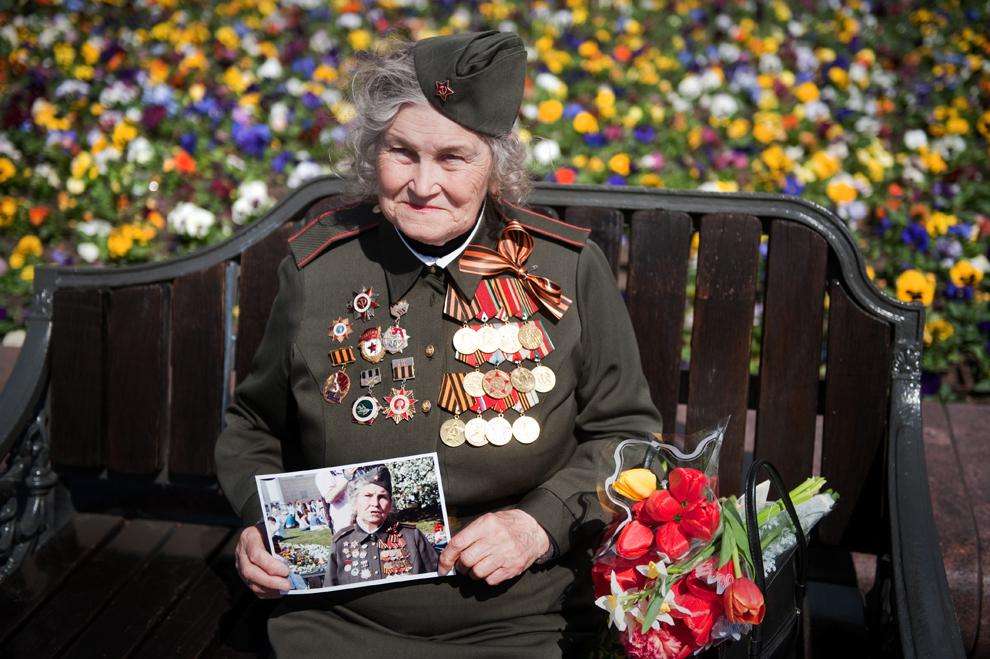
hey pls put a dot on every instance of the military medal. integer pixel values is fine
(465, 340)
(488, 339)
(342, 356)
(530, 335)
(475, 431)
(523, 380)
(371, 377)
(497, 384)
(508, 339)
(364, 304)
(498, 431)
(403, 369)
(452, 432)
(336, 386)
(400, 405)
(371, 346)
(473, 384)
(399, 309)
(544, 377)
(365, 410)
(526, 429)
(340, 330)
(395, 339)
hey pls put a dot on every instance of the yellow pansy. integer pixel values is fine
(933, 162)
(806, 92)
(824, 165)
(549, 111)
(579, 161)
(841, 191)
(65, 54)
(7, 169)
(916, 286)
(957, 126)
(123, 133)
(325, 73)
(596, 164)
(963, 273)
(636, 484)
(938, 223)
(28, 246)
(119, 243)
(776, 159)
(16, 261)
(81, 164)
(90, 52)
(938, 329)
(619, 163)
(839, 77)
(228, 37)
(27, 274)
(585, 122)
(738, 129)
(359, 39)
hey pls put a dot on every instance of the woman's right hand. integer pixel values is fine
(264, 574)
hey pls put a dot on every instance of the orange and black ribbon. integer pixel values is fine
(514, 247)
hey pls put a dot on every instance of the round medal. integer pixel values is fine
(498, 431)
(474, 431)
(473, 384)
(465, 341)
(523, 380)
(508, 336)
(530, 335)
(365, 410)
(452, 432)
(526, 429)
(545, 379)
(497, 384)
(401, 405)
(488, 339)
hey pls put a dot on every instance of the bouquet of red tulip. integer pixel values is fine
(675, 571)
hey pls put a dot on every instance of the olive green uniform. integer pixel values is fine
(279, 421)
(394, 550)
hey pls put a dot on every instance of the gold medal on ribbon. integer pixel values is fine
(530, 335)
(498, 431)
(523, 380)
(544, 377)
(526, 429)
(474, 431)
(497, 384)
(452, 432)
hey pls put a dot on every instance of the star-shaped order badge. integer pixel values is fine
(364, 303)
(400, 405)
(340, 329)
(443, 89)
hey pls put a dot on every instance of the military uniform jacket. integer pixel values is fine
(279, 421)
(394, 550)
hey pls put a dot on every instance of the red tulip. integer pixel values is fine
(625, 573)
(671, 541)
(659, 508)
(687, 485)
(701, 521)
(743, 602)
(634, 540)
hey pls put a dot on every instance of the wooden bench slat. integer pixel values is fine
(78, 371)
(137, 377)
(87, 590)
(43, 572)
(725, 292)
(791, 348)
(606, 226)
(142, 602)
(656, 294)
(257, 287)
(204, 616)
(197, 349)
(857, 383)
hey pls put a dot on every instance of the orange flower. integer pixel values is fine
(38, 214)
(184, 163)
(565, 175)
(743, 602)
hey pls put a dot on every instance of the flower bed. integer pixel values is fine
(136, 134)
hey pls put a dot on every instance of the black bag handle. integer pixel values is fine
(755, 548)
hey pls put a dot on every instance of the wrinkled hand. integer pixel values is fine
(263, 574)
(496, 546)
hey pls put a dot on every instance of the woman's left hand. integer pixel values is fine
(496, 546)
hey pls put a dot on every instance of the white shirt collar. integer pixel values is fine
(446, 259)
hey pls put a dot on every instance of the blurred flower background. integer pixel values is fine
(135, 131)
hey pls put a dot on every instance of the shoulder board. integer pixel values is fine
(408, 525)
(331, 226)
(546, 226)
(342, 532)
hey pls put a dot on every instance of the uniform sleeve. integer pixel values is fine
(613, 401)
(427, 553)
(262, 412)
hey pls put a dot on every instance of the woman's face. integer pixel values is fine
(433, 174)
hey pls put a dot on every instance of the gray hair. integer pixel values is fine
(381, 84)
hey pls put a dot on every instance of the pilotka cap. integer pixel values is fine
(473, 78)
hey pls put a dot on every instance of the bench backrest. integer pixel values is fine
(142, 358)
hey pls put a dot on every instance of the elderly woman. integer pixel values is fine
(456, 322)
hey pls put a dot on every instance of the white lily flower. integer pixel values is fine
(613, 604)
(653, 570)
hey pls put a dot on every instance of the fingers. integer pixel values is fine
(500, 575)
(263, 574)
(485, 566)
(460, 542)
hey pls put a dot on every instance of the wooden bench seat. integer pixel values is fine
(125, 374)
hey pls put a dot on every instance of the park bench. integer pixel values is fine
(116, 539)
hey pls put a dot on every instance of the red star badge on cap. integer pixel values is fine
(443, 89)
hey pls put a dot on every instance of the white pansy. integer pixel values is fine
(689, 87)
(88, 252)
(724, 105)
(711, 79)
(867, 126)
(234, 161)
(305, 171)
(949, 146)
(190, 220)
(915, 139)
(252, 198)
(8, 149)
(321, 42)
(980, 263)
(94, 228)
(770, 63)
(140, 150)
(75, 186)
(796, 28)
(295, 86)
(72, 87)
(549, 82)
(14, 338)
(249, 43)
(838, 150)
(48, 173)
(728, 52)
(107, 155)
(546, 152)
(816, 111)
(349, 21)
(278, 117)
(118, 93)
(528, 110)
(271, 69)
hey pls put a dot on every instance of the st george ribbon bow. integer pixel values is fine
(514, 247)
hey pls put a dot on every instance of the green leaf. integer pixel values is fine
(728, 541)
(652, 611)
